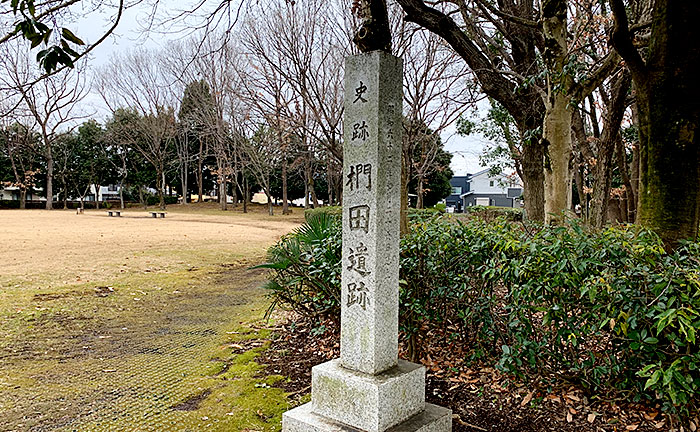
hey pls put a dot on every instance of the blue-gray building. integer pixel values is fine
(483, 188)
(460, 185)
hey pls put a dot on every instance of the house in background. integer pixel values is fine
(109, 192)
(483, 188)
(460, 185)
(12, 193)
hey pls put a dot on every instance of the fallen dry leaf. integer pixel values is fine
(569, 417)
(591, 417)
(650, 415)
(632, 427)
(526, 399)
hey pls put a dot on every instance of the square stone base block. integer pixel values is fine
(372, 403)
(303, 419)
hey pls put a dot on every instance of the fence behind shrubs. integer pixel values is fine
(609, 309)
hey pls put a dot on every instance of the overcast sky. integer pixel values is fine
(129, 34)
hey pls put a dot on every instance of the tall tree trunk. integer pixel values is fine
(65, 189)
(329, 182)
(270, 208)
(557, 118)
(606, 150)
(623, 167)
(634, 168)
(603, 179)
(533, 180)
(670, 164)
(223, 199)
(309, 180)
(339, 191)
(246, 194)
(578, 179)
(419, 192)
(668, 91)
(121, 194)
(285, 201)
(557, 173)
(200, 182)
(22, 198)
(200, 173)
(160, 185)
(312, 191)
(97, 196)
(49, 178)
(183, 180)
(403, 225)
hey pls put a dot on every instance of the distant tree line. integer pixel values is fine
(260, 109)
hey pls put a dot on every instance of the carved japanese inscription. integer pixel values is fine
(359, 91)
(359, 131)
(357, 294)
(358, 259)
(371, 173)
(359, 218)
(359, 171)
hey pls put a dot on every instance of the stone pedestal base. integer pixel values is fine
(303, 419)
(347, 400)
(372, 403)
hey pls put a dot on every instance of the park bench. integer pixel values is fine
(116, 213)
(155, 214)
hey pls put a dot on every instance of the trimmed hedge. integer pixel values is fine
(334, 211)
(337, 211)
(610, 310)
(491, 213)
(153, 200)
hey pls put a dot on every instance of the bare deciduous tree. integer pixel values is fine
(436, 91)
(52, 102)
(134, 80)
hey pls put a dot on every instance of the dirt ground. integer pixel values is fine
(135, 323)
(93, 245)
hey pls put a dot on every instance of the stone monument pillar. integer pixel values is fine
(369, 388)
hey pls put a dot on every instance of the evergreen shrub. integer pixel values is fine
(608, 309)
(334, 211)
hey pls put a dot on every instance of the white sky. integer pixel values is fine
(465, 150)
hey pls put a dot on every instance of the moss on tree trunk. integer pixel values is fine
(667, 93)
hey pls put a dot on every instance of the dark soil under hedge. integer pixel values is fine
(481, 399)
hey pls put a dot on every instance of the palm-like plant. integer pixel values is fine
(306, 266)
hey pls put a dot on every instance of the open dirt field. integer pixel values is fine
(81, 247)
(135, 323)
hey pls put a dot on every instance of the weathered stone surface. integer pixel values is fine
(433, 419)
(368, 402)
(371, 206)
(303, 419)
